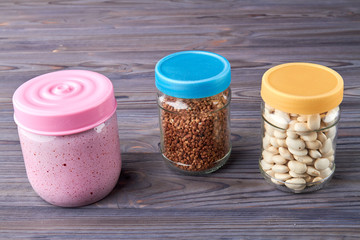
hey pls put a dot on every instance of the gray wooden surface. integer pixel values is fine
(123, 40)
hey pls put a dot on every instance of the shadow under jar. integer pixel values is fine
(300, 116)
(195, 124)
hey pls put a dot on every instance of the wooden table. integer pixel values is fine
(123, 40)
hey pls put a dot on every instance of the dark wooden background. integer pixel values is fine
(123, 40)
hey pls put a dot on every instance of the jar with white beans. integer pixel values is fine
(300, 113)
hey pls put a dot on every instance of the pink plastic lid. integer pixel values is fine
(64, 102)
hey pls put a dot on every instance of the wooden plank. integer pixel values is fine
(183, 224)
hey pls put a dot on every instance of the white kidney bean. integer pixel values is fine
(278, 159)
(279, 134)
(269, 130)
(331, 133)
(314, 154)
(308, 178)
(296, 144)
(317, 179)
(303, 152)
(279, 121)
(282, 114)
(314, 121)
(313, 145)
(279, 168)
(302, 118)
(282, 176)
(273, 150)
(321, 163)
(304, 159)
(290, 131)
(267, 156)
(296, 183)
(292, 134)
(312, 171)
(266, 141)
(285, 153)
(296, 175)
(325, 173)
(328, 154)
(265, 165)
(301, 127)
(309, 137)
(321, 137)
(331, 116)
(327, 146)
(297, 167)
(273, 141)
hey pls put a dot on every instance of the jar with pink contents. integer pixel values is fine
(68, 132)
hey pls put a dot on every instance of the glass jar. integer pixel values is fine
(300, 115)
(193, 99)
(68, 132)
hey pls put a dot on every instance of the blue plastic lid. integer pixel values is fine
(192, 74)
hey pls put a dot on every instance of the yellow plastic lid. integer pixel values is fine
(302, 88)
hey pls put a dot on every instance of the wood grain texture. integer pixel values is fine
(123, 40)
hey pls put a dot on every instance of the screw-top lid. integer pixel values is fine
(64, 102)
(192, 74)
(302, 88)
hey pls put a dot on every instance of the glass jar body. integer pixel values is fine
(73, 170)
(298, 151)
(195, 133)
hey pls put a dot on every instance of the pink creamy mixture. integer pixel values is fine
(73, 170)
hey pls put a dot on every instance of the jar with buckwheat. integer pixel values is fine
(193, 99)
